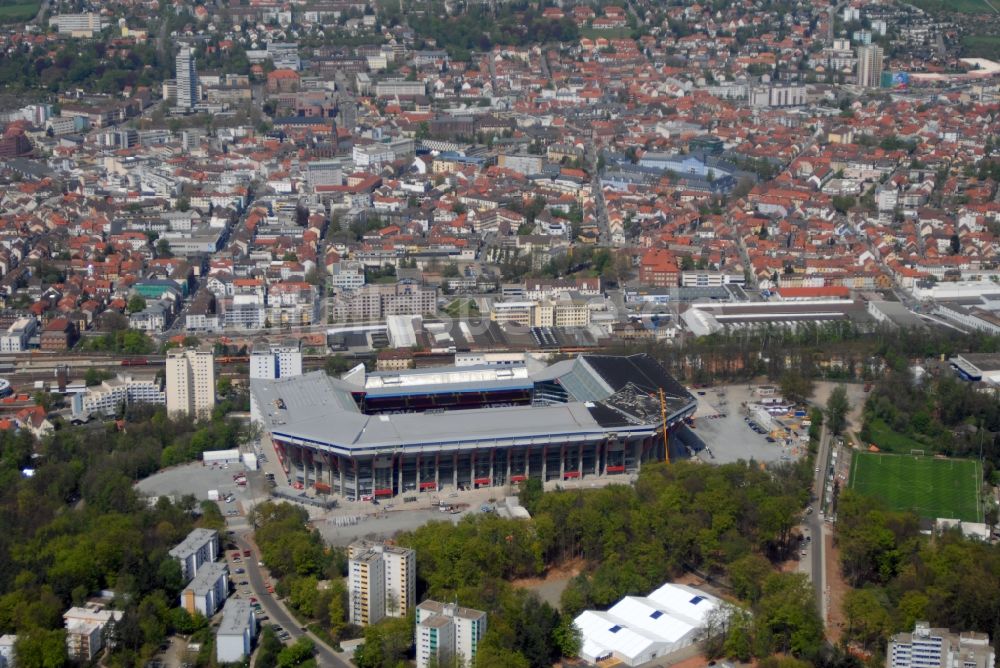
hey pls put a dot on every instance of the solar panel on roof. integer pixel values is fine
(697, 599)
(656, 614)
(615, 629)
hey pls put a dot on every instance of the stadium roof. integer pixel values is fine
(604, 394)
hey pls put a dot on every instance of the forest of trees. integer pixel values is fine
(77, 527)
(938, 414)
(479, 27)
(901, 576)
(860, 353)
(730, 523)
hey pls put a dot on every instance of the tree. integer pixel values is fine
(867, 619)
(796, 387)
(163, 248)
(94, 376)
(44, 399)
(843, 203)
(40, 648)
(296, 654)
(837, 407)
(136, 303)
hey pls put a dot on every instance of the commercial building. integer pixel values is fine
(235, 635)
(448, 633)
(977, 367)
(187, 79)
(639, 629)
(208, 590)
(122, 390)
(928, 647)
(563, 312)
(400, 88)
(870, 66)
(79, 25)
(199, 548)
(384, 434)
(190, 383)
(59, 334)
(86, 629)
(382, 581)
(16, 339)
(276, 360)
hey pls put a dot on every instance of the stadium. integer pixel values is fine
(474, 424)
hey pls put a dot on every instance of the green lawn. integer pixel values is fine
(614, 33)
(960, 6)
(928, 486)
(888, 440)
(981, 46)
(17, 10)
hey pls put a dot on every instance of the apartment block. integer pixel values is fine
(382, 581)
(448, 634)
(235, 635)
(85, 630)
(206, 593)
(8, 658)
(190, 383)
(110, 395)
(374, 302)
(276, 360)
(366, 588)
(928, 647)
(199, 548)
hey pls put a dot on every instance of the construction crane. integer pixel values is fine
(663, 417)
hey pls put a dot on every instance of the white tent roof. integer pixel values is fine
(603, 634)
(666, 620)
(685, 601)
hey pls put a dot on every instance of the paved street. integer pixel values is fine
(275, 610)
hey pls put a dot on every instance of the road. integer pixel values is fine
(817, 525)
(276, 610)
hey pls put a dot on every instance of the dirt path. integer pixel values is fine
(550, 587)
(836, 589)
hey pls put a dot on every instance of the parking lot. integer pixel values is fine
(728, 437)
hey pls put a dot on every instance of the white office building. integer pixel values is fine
(448, 633)
(382, 581)
(639, 629)
(276, 360)
(199, 548)
(928, 647)
(235, 636)
(16, 339)
(206, 593)
(190, 383)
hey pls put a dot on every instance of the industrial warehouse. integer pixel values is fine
(474, 424)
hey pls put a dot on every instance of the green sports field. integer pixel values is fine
(929, 487)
